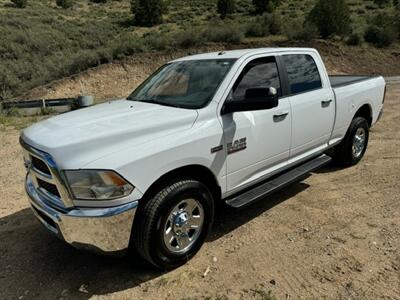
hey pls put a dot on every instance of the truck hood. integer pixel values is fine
(75, 139)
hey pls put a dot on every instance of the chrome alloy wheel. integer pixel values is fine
(359, 140)
(183, 226)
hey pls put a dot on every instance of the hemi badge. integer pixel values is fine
(216, 149)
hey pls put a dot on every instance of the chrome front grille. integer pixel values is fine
(40, 165)
(49, 187)
(46, 177)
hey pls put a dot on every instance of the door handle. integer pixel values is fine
(326, 102)
(281, 115)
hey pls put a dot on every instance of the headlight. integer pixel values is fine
(97, 185)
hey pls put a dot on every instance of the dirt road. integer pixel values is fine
(335, 235)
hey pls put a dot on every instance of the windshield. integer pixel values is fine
(187, 84)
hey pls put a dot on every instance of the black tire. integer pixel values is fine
(148, 232)
(344, 154)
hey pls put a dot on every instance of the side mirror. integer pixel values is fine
(254, 99)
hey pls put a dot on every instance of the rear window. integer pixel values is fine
(302, 72)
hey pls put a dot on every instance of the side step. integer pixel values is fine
(277, 183)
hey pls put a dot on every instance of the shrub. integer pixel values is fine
(397, 17)
(225, 7)
(300, 30)
(20, 3)
(354, 39)
(64, 3)
(124, 46)
(157, 41)
(264, 25)
(330, 17)
(382, 2)
(223, 32)
(262, 6)
(382, 31)
(148, 12)
(188, 38)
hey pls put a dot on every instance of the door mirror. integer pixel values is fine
(254, 99)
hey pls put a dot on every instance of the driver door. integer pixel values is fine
(258, 142)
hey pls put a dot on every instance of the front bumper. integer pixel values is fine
(104, 230)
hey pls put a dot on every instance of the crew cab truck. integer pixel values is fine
(228, 127)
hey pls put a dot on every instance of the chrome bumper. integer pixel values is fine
(105, 230)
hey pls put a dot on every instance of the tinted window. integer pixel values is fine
(187, 84)
(259, 73)
(302, 72)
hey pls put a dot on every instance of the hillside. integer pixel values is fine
(118, 79)
(42, 42)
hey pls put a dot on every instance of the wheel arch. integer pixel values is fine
(365, 111)
(197, 172)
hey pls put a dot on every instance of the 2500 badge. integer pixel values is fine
(237, 145)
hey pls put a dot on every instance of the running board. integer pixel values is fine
(277, 183)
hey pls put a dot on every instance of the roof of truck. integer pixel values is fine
(235, 54)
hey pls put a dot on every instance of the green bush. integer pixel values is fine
(382, 2)
(189, 38)
(264, 25)
(330, 17)
(300, 30)
(382, 30)
(65, 3)
(225, 7)
(263, 6)
(354, 39)
(223, 32)
(20, 3)
(157, 41)
(148, 12)
(397, 17)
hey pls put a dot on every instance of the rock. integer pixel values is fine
(272, 281)
(215, 259)
(206, 272)
(83, 289)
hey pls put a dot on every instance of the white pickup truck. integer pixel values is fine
(226, 127)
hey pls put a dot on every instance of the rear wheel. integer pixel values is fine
(353, 146)
(174, 223)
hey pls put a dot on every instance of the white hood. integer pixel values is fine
(82, 136)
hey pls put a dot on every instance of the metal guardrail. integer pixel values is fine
(42, 103)
(31, 107)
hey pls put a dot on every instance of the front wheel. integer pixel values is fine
(173, 225)
(353, 146)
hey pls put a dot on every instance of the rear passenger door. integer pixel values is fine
(312, 104)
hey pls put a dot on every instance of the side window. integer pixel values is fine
(302, 72)
(259, 73)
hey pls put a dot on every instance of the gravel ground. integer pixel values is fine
(335, 235)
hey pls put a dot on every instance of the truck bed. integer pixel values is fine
(351, 93)
(342, 80)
